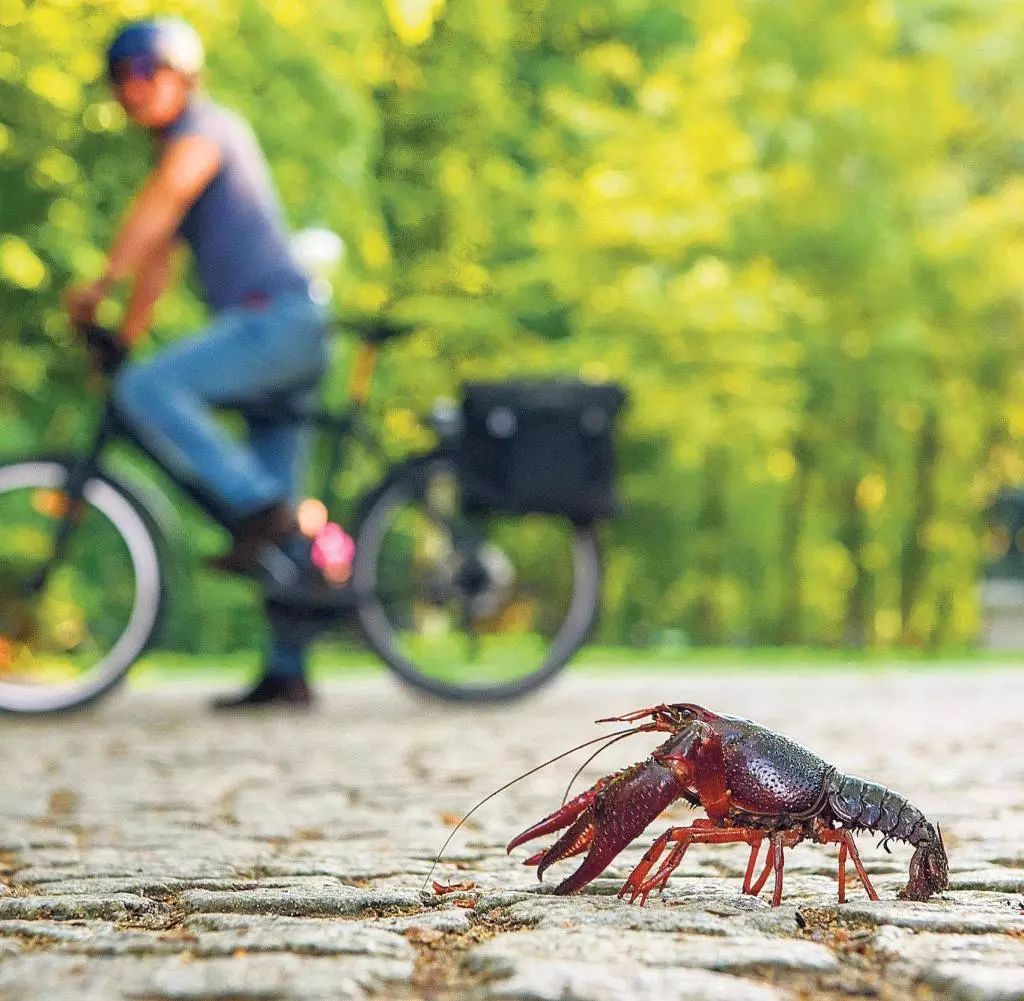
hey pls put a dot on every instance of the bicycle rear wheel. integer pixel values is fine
(478, 608)
(70, 627)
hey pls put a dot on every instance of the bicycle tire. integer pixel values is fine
(115, 503)
(403, 485)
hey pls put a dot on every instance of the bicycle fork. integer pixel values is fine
(71, 494)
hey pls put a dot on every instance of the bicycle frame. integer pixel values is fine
(340, 429)
(299, 602)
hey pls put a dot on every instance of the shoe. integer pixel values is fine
(270, 690)
(270, 526)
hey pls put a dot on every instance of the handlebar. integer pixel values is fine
(110, 351)
(373, 329)
(104, 345)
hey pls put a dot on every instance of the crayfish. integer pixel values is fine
(754, 785)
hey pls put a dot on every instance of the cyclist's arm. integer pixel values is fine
(151, 281)
(187, 166)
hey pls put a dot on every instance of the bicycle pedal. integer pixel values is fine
(293, 577)
(280, 568)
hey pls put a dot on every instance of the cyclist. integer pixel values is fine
(267, 340)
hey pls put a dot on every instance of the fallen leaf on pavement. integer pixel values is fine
(440, 888)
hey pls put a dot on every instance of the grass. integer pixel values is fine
(336, 661)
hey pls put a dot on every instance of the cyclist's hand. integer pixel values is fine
(106, 349)
(82, 301)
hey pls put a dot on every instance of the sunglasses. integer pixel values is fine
(133, 68)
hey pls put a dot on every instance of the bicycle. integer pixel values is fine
(462, 604)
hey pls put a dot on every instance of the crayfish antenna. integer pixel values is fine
(600, 750)
(635, 715)
(519, 778)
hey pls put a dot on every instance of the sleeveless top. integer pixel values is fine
(235, 227)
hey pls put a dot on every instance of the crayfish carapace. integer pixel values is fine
(754, 784)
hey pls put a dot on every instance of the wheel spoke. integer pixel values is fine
(471, 607)
(469, 628)
(78, 595)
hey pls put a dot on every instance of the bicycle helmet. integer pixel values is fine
(161, 41)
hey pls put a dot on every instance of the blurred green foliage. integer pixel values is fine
(794, 231)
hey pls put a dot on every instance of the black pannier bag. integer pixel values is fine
(539, 446)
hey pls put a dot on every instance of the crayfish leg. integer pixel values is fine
(773, 857)
(847, 846)
(637, 876)
(859, 866)
(842, 872)
(660, 879)
(769, 864)
(755, 850)
(779, 862)
(705, 833)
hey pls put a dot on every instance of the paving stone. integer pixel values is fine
(333, 900)
(350, 866)
(162, 886)
(105, 885)
(976, 983)
(116, 907)
(455, 920)
(553, 980)
(223, 934)
(507, 953)
(99, 938)
(927, 949)
(149, 851)
(997, 879)
(490, 901)
(127, 867)
(598, 912)
(967, 912)
(259, 977)
(35, 838)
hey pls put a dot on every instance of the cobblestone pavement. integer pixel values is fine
(150, 851)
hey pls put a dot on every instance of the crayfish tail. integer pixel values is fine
(929, 870)
(858, 804)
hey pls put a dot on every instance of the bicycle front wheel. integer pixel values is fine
(479, 608)
(74, 614)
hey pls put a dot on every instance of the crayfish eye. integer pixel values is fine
(682, 713)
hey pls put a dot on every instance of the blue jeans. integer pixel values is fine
(275, 352)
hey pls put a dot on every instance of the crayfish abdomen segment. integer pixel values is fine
(857, 803)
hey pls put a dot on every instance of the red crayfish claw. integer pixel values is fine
(604, 819)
